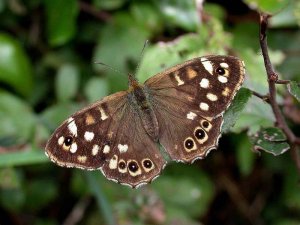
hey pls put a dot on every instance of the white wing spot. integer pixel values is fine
(179, 81)
(191, 115)
(103, 114)
(204, 106)
(204, 83)
(88, 136)
(207, 65)
(113, 162)
(73, 148)
(73, 128)
(61, 140)
(82, 158)
(222, 79)
(122, 148)
(95, 149)
(106, 149)
(212, 97)
(70, 119)
(224, 65)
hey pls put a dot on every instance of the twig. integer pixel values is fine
(273, 80)
(78, 211)
(263, 97)
(283, 82)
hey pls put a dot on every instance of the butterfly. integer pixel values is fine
(130, 135)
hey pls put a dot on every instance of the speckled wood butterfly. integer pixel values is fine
(175, 114)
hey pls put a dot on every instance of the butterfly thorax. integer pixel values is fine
(139, 99)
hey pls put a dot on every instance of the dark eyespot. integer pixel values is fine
(189, 144)
(199, 133)
(133, 166)
(205, 124)
(68, 141)
(122, 165)
(220, 71)
(147, 163)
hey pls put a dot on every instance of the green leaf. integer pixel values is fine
(40, 192)
(15, 67)
(61, 20)
(56, 114)
(183, 190)
(268, 6)
(180, 13)
(147, 16)
(96, 88)
(23, 158)
(237, 106)
(16, 117)
(294, 89)
(67, 82)
(245, 157)
(108, 5)
(271, 140)
(117, 50)
(286, 17)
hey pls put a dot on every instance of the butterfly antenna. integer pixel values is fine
(109, 67)
(141, 57)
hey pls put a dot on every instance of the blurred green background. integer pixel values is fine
(47, 71)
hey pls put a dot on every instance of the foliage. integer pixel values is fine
(47, 71)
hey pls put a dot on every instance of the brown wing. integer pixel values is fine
(107, 136)
(189, 100)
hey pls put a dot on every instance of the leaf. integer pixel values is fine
(22, 158)
(179, 13)
(96, 88)
(15, 67)
(183, 190)
(294, 89)
(245, 157)
(268, 6)
(271, 140)
(16, 117)
(56, 114)
(118, 49)
(235, 109)
(108, 5)
(67, 82)
(61, 20)
(40, 192)
(286, 17)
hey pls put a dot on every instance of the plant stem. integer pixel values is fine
(273, 80)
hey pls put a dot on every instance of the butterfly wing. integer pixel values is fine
(189, 100)
(107, 136)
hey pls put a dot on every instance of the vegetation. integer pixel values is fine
(47, 72)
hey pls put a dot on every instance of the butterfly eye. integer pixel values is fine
(147, 163)
(68, 141)
(189, 144)
(220, 71)
(199, 134)
(133, 166)
(205, 124)
(122, 165)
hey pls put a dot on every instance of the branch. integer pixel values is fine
(273, 80)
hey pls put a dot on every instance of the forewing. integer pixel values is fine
(107, 135)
